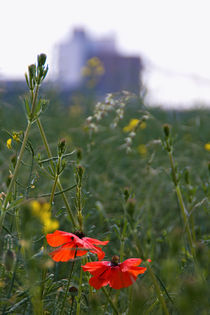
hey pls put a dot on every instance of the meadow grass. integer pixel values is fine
(116, 170)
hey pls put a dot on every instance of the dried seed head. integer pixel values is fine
(115, 260)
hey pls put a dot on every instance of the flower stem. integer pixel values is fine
(182, 206)
(47, 147)
(17, 166)
(67, 287)
(19, 159)
(110, 301)
(79, 293)
(158, 291)
(53, 189)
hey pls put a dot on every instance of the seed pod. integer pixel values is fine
(9, 259)
(73, 291)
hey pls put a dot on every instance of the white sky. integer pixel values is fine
(172, 35)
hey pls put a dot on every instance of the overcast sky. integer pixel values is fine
(172, 36)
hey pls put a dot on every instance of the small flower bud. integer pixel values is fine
(80, 171)
(61, 146)
(41, 59)
(126, 193)
(79, 154)
(32, 71)
(166, 130)
(13, 160)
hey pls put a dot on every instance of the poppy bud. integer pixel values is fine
(126, 193)
(62, 146)
(80, 171)
(9, 259)
(41, 60)
(166, 130)
(79, 154)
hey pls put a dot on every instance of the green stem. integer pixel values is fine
(110, 301)
(185, 220)
(182, 206)
(19, 159)
(53, 189)
(17, 166)
(158, 291)
(67, 287)
(79, 293)
(47, 147)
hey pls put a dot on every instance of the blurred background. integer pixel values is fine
(161, 45)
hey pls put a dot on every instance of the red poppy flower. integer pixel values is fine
(116, 275)
(73, 245)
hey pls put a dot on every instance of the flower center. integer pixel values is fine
(79, 234)
(115, 261)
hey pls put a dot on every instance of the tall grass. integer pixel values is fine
(115, 170)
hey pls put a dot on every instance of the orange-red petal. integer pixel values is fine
(119, 279)
(125, 265)
(59, 238)
(97, 283)
(95, 241)
(96, 268)
(64, 253)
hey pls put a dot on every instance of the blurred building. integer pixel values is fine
(120, 72)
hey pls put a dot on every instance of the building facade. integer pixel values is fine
(120, 72)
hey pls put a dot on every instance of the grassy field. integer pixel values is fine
(117, 170)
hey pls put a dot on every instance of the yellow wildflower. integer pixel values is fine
(16, 137)
(142, 149)
(42, 211)
(50, 225)
(132, 124)
(35, 207)
(9, 143)
(207, 146)
(143, 125)
(94, 62)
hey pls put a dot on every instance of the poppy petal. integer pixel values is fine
(125, 265)
(97, 283)
(119, 279)
(137, 270)
(99, 252)
(96, 268)
(95, 241)
(81, 252)
(63, 254)
(59, 238)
